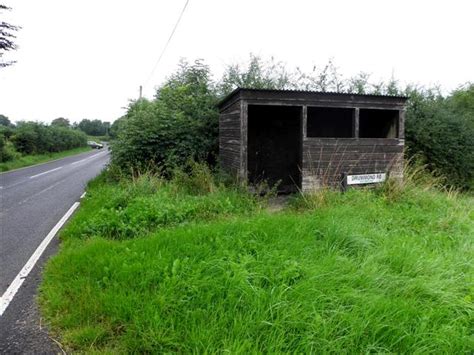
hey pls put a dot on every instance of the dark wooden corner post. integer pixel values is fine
(304, 135)
(244, 109)
(304, 122)
(401, 124)
(355, 123)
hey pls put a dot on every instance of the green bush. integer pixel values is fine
(3, 156)
(116, 127)
(441, 130)
(37, 138)
(180, 124)
(6, 151)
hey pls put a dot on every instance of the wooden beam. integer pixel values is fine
(355, 123)
(304, 120)
(244, 109)
(401, 124)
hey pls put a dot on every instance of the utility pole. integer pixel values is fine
(140, 95)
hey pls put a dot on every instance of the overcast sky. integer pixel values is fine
(86, 59)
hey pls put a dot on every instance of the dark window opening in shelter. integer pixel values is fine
(329, 122)
(274, 146)
(375, 123)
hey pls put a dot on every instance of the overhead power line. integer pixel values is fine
(167, 42)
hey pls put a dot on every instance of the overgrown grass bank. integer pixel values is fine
(149, 266)
(21, 161)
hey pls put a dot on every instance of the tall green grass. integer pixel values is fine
(358, 273)
(126, 209)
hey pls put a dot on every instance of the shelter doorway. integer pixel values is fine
(275, 146)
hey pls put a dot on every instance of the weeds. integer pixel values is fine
(129, 208)
(417, 179)
(314, 199)
(153, 266)
(414, 179)
(198, 179)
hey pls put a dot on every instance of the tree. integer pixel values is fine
(5, 121)
(359, 84)
(92, 127)
(463, 100)
(116, 127)
(106, 126)
(181, 123)
(6, 38)
(325, 79)
(61, 122)
(257, 74)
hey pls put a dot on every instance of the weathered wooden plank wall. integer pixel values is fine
(230, 138)
(326, 159)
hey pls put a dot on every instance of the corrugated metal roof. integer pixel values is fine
(328, 93)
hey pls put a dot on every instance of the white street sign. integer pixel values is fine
(366, 178)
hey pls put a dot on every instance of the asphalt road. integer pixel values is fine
(32, 201)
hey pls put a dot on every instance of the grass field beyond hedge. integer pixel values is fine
(147, 267)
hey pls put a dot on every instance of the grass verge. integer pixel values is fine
(148, 266)
(28, 160)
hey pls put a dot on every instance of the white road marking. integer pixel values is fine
(46, 172)
(80, 161)
(42, 191)
(88, 158)
(83, 195)
(36, 194)
(13, 185)
(7, 297)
